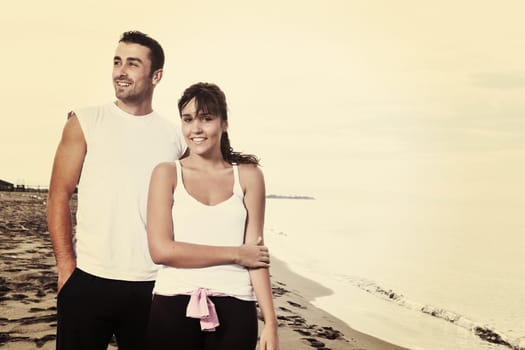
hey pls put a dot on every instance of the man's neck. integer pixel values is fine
(137, 109)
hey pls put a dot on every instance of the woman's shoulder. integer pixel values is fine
(250, 169)
(250, 175)
(165, 170)
(165, 167)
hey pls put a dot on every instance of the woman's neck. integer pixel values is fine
(205, 163)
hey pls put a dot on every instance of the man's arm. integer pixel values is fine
(67, 167)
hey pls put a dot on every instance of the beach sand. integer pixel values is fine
(28, 290)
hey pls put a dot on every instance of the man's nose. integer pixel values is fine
(122, 70)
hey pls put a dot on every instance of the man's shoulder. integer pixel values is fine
(90, 117)
(166, 121)
(92, 109)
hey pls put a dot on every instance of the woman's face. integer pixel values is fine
(202, 131)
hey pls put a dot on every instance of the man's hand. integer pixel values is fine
(64, 272)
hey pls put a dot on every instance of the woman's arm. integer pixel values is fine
(255, 199)
(165, 250)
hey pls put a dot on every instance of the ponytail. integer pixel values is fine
(231, 156)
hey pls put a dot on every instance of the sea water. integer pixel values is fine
(425, 279)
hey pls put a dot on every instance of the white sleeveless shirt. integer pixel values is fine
(122, 150)
(222, 224)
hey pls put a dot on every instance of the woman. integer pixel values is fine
(214, 196)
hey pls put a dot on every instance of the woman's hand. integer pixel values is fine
(269, 337)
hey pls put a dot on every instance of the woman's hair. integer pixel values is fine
(209, 98)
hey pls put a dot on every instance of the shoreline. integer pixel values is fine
(28, 290)
(303, 326)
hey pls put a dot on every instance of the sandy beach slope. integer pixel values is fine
(28, 290)
(304, 326)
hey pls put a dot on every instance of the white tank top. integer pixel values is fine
(222, 224)
(122, 150)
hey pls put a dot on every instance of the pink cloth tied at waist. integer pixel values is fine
(200, 306)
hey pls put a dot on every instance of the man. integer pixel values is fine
(105, 274)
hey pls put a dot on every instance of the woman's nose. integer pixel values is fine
(196, 126)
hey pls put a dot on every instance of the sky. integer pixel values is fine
(370, 99)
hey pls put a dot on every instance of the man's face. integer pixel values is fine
(131, 73)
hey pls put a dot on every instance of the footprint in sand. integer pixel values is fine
(296, 304)
(303, 332)
(316, 344)
(279, 291)
(284, 309)
(329, 333)
(41, 341)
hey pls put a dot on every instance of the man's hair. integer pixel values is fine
(156, 53)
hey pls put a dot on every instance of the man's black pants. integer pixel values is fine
(91, 309)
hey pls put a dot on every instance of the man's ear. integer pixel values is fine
(157, 76)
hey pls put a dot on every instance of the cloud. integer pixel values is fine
(499, 80)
